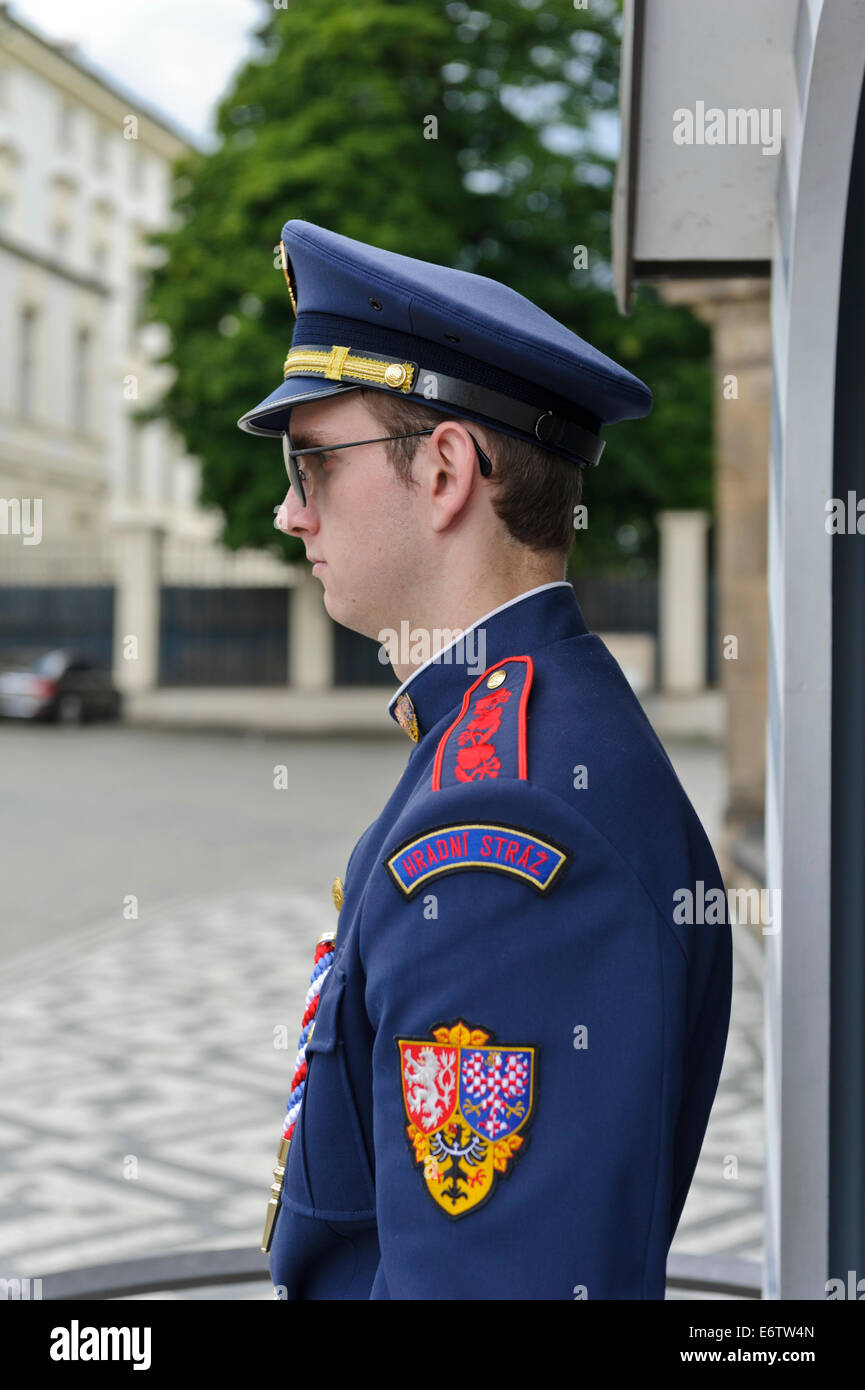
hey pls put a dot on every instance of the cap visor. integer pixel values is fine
(271, 416)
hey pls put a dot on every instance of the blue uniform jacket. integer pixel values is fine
(519, 1041)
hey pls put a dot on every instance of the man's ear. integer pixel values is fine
(453, 442)
(451, 461)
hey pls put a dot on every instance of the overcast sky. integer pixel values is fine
(176, 55)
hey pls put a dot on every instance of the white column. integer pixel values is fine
(310, 635)
(799, 964)
(683, 583)
(138, 567)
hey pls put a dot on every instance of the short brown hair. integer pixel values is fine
(536, 491)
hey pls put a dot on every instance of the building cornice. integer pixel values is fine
(53, 267)
(87, 84)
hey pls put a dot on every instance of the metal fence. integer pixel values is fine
(35, 618)
(613, 603)
(231, 635)
(223, 636)
(355, 660)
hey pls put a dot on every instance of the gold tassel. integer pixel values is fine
(275, 1193)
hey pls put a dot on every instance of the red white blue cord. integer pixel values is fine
(320, 970)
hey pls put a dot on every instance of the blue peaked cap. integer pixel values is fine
(458, 342)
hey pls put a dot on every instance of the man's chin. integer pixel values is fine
(333, 607)
(346, 614)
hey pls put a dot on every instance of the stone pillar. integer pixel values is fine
(310, 634)
(738, 313)
(138, 567)
(683, 601)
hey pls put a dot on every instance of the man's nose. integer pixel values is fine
(291, 518)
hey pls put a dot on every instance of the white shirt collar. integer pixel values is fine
(517, 599)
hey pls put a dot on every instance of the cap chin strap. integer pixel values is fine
(411, 380)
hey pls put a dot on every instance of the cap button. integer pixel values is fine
(395, 374)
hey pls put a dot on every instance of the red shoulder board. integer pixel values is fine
(488, 736)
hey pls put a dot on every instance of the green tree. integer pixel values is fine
(329, 123)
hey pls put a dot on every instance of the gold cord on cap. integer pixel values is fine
(285, 270)
(340, 363)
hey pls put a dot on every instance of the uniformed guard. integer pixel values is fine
(513, 1037)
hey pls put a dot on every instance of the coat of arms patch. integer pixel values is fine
(469, 1101)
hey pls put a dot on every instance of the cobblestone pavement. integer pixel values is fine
(143, 1093)
(723, 1214)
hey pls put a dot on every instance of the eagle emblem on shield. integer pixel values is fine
(469, 1102)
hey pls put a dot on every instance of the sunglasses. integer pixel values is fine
(303, 479)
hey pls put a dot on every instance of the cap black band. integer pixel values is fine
(352, 365)
(545, 425)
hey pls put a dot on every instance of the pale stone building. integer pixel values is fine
(85, 175)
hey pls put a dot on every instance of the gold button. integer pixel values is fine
(394, 374)
(496, 679)
(337, 892)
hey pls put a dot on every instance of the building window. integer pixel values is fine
(60, 240)
(81, 381)
(102, 149)
(140, 295)
(138, 163)
(9, 160)
(65, 127)
(27, 362)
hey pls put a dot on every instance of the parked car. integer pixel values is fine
(61, 685)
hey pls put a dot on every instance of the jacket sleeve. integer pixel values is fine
(529, 1006)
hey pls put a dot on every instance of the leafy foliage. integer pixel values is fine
(328, 123)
